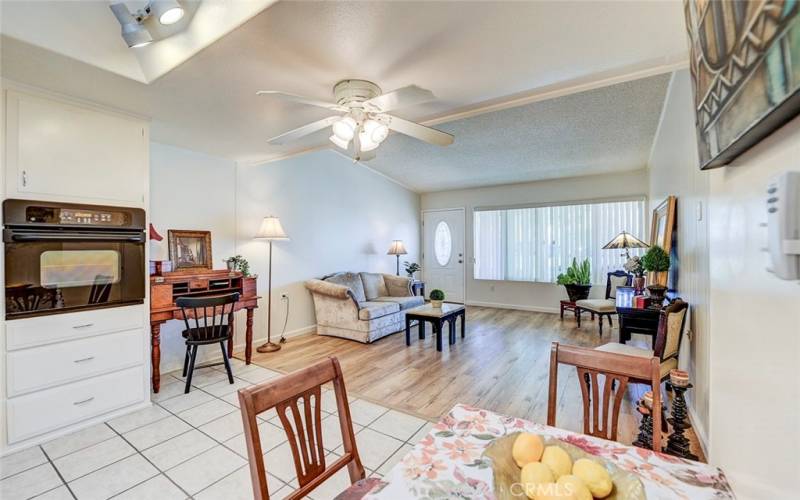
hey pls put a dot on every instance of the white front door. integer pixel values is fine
(443, 252)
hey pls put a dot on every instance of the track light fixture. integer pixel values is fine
(134, 32)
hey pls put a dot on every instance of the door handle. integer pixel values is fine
(83, 402)
(87, 325)
(82, 360)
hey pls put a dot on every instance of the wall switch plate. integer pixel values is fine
(699, 211)
(783, 221)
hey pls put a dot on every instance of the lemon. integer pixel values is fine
(576, 486)
(527, 448)
(558, 460)
(534, 476)
(595, 476)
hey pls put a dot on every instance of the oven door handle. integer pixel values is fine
(46, 236)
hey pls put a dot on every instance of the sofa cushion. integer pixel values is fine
(404, 302)
(373, 310)
(598, 305)
(374, 286)
(352, 281)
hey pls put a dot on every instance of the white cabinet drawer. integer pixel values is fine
(29, 332)
(51, 365)
(34, 414)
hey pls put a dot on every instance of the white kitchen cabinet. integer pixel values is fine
(62, 151)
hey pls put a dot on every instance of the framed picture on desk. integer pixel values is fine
(190, 249)
(663, 223)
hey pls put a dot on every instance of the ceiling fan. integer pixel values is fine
(364, 123)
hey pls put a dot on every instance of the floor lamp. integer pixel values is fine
(270, 230)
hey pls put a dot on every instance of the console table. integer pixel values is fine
(164, 290)
(633, 320)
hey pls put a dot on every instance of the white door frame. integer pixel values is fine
(463, 243)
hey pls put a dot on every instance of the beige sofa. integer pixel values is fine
(362, 306)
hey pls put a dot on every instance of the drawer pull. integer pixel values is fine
(87, 325)
(82, 360)
(77, 403)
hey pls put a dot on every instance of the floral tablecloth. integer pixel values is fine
(447, 462)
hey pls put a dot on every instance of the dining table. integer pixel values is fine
(449, 463)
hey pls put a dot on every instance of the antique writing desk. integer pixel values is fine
(165, 289)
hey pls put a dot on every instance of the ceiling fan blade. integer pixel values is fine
(304, 130)
(418, 131)
(302, 100)
(406, 96)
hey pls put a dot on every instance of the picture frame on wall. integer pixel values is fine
(190, 249)
(663, 223)
(744, 60)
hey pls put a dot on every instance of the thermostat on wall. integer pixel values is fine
(783, 220)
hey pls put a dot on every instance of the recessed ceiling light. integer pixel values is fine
(167, 11)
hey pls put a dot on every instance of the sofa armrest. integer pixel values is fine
(330, 289)
(398, 286)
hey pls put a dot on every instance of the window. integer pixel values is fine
(73, 268)
(538, 243)
(442, 243)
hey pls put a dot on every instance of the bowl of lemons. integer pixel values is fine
(525, 465)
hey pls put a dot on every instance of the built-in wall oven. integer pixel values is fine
(62, 257)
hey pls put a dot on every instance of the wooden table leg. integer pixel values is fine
(463, 324)
(451, 330)
(248, 337)
(155, 355)
(232, 326)
(437, 330)
(421, 329)
(562, 311)
(408, 331)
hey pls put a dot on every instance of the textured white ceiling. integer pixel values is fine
(466, 52)
(610, 129)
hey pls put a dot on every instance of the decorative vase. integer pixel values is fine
(578, 292)
(657, 293)
(436, 303)
(659, 278)
(638, 285)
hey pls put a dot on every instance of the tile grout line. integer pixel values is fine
(58, 472)
(160, 472)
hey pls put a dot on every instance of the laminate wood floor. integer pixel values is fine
(502, 365)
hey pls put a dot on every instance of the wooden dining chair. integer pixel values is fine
(302, 424)
(601, 405)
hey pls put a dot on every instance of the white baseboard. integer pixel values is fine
(496, 305)
(699, 430)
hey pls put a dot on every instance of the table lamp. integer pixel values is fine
(270, 230)
(626, 241)
(397, 249)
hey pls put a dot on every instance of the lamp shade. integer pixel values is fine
(625, 240)
(271, 229)
(397, 248)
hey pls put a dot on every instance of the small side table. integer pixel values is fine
(568, 305)
(418, 288)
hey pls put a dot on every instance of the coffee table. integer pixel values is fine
(436, 316)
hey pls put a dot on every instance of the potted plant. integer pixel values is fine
(411, 268)
(634, 266)
(656, 261)
(437, 297)
(577, 280)
(238, 263)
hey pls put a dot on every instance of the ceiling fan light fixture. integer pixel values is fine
(344, 130)
(376, 131)
(167, 11)
(339, 142)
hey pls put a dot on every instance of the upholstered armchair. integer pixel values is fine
(362, 306)
(671, 323)
(607, 306)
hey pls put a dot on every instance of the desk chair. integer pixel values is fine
(203, 308)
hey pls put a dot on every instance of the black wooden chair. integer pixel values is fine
(205, 310)
(608, 306)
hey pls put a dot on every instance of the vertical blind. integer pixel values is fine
(539, 243)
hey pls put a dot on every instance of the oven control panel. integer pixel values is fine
(73, 216)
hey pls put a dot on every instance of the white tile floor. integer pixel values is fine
(192, 446)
